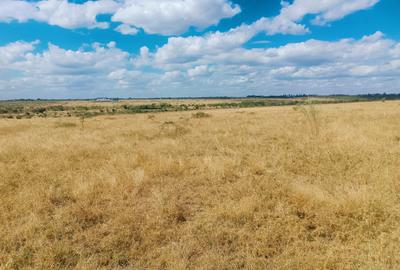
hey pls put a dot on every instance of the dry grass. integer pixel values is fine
(259, 189)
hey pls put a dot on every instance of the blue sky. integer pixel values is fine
(168, 48)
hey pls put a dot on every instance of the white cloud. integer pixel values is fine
(320, 65)
(226, 48)
(57, 71)
(261, 42)
(326, 11)
(287, 22)
(396, 51)
(279, 25)
(173, 17)
(126, 29)
(336, 10)
(198, 71)
(181, 50)
(58, 12)
(58, 61)
(172, 75)
(166, 17)
(19, 10)
(15, 52)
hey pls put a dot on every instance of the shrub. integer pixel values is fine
(65, 125)
(57, 108)
(3, 110)
(82, 108)
(39, 110)
(201, 115)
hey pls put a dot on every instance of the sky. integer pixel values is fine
(197, 48)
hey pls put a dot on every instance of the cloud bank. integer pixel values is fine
(173, 17)
(215, 64)
(166, 17)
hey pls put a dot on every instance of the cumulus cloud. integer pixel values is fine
(198, 71)
(126, 29)
(58, 12)
(166, 17)
(19, 10)
(214, 65)
(335, 10)
(58, 61)
(180, 50)
(288, 21)
(57, 70)
(15, 52)
(173, 17)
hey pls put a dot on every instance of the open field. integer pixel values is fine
(293, 187)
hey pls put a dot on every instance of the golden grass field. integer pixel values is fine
(260, 188)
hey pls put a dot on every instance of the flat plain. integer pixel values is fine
(291, 187)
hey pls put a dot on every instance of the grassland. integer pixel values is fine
(294, 187)
(20, 109)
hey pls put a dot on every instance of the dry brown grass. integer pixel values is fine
(258, 189)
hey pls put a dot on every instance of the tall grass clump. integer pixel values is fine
(172, 129)
(311, 116)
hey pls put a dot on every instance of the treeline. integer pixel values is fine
(381, 96)
(376, 96)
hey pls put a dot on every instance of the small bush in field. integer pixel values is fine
(171, 129)
(65, 125)
(201, 115)
(39, 110)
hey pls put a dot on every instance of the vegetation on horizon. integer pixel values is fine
(43, 108)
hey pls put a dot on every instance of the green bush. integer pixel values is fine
(65, 125)
(39, 110)
(201, 115)
(57, 108)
